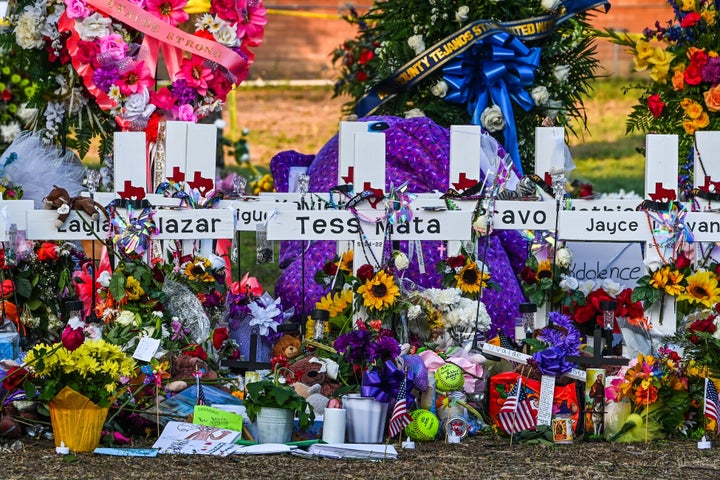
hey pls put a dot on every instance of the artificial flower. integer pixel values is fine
(379, 292)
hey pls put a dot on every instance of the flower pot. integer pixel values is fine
(275, 425)
(366, 417)
(76, 421)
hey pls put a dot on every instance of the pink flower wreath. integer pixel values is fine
(114, 46)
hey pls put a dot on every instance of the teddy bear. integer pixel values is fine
(313, 371)
(59, 199)
(287, 346)
(312, 395)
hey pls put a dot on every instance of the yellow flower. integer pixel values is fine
(469, 278)
(346, 262)
(673, 287)
(134, 289)
(702, 288)
(644, 49)
(379, 292)
(687, 5)
(661, 64)
(544, 269)
(341, 300)
(325, 303)
(709, 16)
(693, 109)
(199, 270)
(659, 278)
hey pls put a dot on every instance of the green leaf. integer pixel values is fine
(30, 389)
(23, 287)
(117, 286)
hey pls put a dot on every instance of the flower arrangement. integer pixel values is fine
(452, 319)
(43, 283)
(96, 63)
(549, 73)
(680, 57)
(94, 369)
(554, 343)
(465, 273)
(656, 387)
(540, 278)
(700, 339)
(278, 392)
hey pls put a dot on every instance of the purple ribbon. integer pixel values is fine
(551, 361)
(383, 384)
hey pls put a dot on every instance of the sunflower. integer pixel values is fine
(659, 278)
(544, 270)
(346, 262)
(379, 292)
(469, 278)
(673, 287)
(702, 288)
(199, 270)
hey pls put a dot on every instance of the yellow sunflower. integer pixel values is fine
(702, 288)
(544, 270)
(346, 262)
(469, 278)
(379, 292)
(199, 270)
(673, 287)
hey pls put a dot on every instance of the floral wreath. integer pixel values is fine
(120, 74)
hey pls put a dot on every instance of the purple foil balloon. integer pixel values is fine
(418, 153)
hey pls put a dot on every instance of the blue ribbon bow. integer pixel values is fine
(496, 69)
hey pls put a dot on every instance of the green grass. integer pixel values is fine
(604, 154)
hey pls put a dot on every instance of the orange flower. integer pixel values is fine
(646, 395)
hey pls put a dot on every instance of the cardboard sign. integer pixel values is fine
(215, 417)
(620, 262)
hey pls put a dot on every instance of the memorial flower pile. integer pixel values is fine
(681, 58)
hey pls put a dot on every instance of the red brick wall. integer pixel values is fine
(300, 47)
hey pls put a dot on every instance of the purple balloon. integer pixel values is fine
(417, 152)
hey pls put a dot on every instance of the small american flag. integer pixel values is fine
(711, 407)
(201, 395)
(517, 413)
(400, 418)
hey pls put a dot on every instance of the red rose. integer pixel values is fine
(705, 325)
(87, 52)
(7, 287)
(361, 76)
(220, 334)
(204, 34)
(690, 19)
(47, 251)
(6, 95)
(330, 268)
(527, 275)
(196, 351)
(235, 355)
(693, 74)
(456, 262)
(682, 261)
(365, 57)
(365, 272)
(72, 338)
(14, 378)
(655, 105)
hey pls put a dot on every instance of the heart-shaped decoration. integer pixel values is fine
(115, 46)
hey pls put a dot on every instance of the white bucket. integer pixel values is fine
(365, 419)
(274, 425)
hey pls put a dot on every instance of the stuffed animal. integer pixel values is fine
(313, 396)
(314, 372)
(287, 346)
(59, 199)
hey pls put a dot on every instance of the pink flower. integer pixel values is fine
(77, 9)
(170, 11)
(113, 46)
(72, 338)
(184, 113)
(135, 79)
(163, 99)
(196, 75)
(252, 25)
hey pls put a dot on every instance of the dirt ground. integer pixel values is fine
(482, 457)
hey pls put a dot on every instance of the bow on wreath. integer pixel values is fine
(495, 70)
(383, 384)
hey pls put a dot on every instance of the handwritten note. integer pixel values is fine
(215, 417)
(545, 407)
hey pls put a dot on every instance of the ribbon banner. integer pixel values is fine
(445, 51)
(160, 32)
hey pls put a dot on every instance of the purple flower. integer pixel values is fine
(551, 361)
(353, 345)
(105, 78)
(711, 71)
(384, 348)
(182, 92)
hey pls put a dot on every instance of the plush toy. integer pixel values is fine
(59, 199)
(314, 397)
(314, 372)
(185, 366)
(287, 346)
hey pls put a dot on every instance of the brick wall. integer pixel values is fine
(300, 47)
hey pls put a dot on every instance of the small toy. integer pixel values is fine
(59, 199)
(287, 346)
